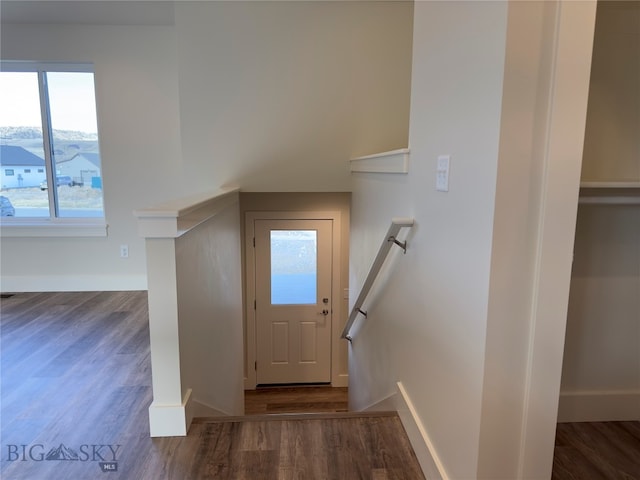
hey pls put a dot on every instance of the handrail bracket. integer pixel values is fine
(396, 224)
(402, 245)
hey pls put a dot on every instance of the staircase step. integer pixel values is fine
(331, 446)
(294, 416)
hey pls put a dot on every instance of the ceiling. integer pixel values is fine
(87, 12)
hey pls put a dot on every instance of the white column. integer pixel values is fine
(161, 226)
(167, 412)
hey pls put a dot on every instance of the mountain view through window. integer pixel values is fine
(49, 151)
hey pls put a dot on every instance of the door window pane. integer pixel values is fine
(294, 261)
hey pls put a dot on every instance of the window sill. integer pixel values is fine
(53, 228)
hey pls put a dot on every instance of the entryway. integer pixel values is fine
(296, 288)
(293, 305)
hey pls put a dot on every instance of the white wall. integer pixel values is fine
(276, 96)
(209, 286)
(471, 320)
(137, 99)
(428, 326)
(271, 96)
(526, 95)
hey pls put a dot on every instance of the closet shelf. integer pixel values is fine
(610, 193)
(626, 184)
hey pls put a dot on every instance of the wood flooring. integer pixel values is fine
(76, 386)
(312, 448)
(75, 392)
(598, 450)
(290, 399)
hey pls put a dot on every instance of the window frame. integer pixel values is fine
(53, 225)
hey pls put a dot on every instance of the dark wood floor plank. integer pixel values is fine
(597, 450)
(301, 399)
(215, 451)
(259, 436)
(255, 464)
(302, 453)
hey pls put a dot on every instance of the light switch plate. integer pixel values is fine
(442, 173)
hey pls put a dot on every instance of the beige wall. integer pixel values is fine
(612, 143)
(270, 96)
(209, 291)
(601, 371)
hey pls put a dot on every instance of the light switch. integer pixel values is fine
(442, 173)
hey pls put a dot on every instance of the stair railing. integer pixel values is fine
(389, 241)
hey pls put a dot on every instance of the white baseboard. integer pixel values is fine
(170, 420)
(431, 465)
(599, 406)
(72, 283)
(249, 384)
(341, 380)
(200, 409)
(387, 404)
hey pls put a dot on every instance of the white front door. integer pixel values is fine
(293, 301)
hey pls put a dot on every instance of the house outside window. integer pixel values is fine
(48, 130)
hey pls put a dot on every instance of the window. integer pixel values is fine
(294, 267)
(48, 124)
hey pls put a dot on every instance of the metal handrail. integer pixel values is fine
(389, 240)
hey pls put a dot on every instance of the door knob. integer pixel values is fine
(325, 312)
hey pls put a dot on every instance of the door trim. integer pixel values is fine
(337, 320)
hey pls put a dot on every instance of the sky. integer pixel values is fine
(71, 97)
